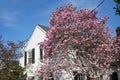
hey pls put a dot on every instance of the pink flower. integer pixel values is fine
(71, 30)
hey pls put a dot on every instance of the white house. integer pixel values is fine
(31, 51)
(32, 55)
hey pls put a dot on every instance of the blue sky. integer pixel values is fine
(19, 17)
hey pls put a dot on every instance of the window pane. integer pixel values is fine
(29, 56)
(29, 60)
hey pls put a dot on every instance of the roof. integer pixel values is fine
(44, 27)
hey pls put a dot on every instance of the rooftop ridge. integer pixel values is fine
(44, 27)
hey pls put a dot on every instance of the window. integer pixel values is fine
(79, 76)
(29, 56)
(114, 76)
(41, 53)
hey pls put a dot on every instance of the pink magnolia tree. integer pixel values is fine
(78, 41)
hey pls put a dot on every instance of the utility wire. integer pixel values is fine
(98, 5)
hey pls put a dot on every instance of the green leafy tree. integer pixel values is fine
(9, 64)
(117, 7)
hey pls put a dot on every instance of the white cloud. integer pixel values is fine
(8, 17)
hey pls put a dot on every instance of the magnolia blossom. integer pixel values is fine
(78, 40)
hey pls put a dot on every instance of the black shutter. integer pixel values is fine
(41, 53)
(33, 55)
(25, 59)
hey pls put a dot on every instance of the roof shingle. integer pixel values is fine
(44, 27)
